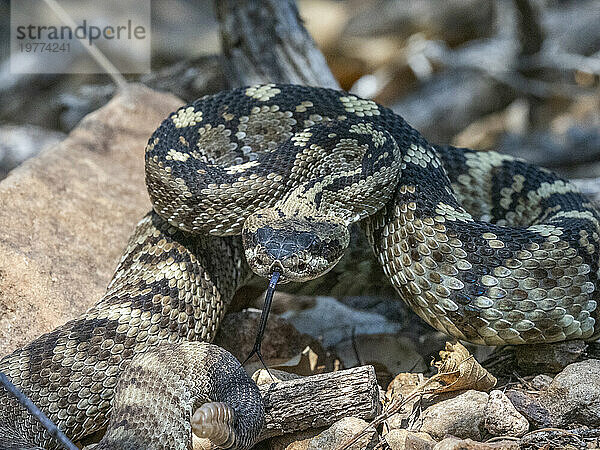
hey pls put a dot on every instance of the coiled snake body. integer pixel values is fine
(482, 246)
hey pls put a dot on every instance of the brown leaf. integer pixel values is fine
(305, 363)
(459, 370)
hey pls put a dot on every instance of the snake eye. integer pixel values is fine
(301, 266)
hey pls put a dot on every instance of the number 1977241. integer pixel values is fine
(41, 47)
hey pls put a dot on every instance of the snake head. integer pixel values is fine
(300, 248)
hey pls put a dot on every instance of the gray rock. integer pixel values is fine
(574, 395)
(339, 432)
(556, 438)
(529, 405)
(461, 415)
(76, 205)
(545, 358)
(501, 417)
(541, 381)
(332, 322)
(453, 443)
(408, 440)
(291, 441)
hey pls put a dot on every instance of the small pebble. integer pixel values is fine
(408, 440)
(501, 417)
(573, 396)
(342, 430)
(461, 415)
(541, 382)
(453, 443)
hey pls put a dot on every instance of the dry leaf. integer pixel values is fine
(459, 370)
(304, 363)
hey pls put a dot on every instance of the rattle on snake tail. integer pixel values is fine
(266, 179)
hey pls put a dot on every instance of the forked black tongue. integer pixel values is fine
(263, 322)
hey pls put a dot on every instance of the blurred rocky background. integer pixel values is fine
(519, 76)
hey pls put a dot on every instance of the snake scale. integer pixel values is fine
(483, 246)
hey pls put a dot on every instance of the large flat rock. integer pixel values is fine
(66, 214)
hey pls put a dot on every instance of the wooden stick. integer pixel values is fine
(264, 41)
(319, 400)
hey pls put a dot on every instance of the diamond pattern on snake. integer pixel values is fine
(264, 179)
